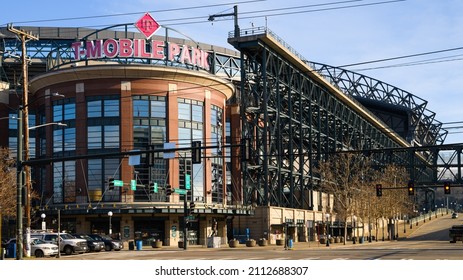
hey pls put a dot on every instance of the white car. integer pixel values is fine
(40, 248)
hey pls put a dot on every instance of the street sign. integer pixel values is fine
(187, 181)
(180, 191)
(133, 185)
(118, 183)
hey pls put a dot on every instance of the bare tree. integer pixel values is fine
(346, 176)
(7, 184)
(394, 201)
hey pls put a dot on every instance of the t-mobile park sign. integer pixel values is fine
(137, 48)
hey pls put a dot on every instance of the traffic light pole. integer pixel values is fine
(185, 221)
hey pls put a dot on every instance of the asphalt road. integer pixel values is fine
(428, 241)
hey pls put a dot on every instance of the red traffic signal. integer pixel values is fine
(447, 188)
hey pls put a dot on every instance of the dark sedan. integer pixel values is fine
(92, 244)
(110, 244)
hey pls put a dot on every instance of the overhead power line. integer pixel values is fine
(203, 18)
(137, 13)
(400, 57)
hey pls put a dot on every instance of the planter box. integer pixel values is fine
(263, 242)
(250, 243)
(233, 243)
(156, 244)
(280, 242)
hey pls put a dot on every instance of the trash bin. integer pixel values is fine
(290, 243)
(139, 244)
(131, 245)
(11, 251)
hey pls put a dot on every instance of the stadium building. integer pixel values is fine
(149, 120)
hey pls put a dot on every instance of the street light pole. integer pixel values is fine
(110, 214)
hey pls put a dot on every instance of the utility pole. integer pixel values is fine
(24, 36)
(235, 16)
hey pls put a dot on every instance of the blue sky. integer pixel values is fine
(336, 34)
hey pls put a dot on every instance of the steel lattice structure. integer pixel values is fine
(296, 118)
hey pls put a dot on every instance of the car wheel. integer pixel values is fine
(39, 254)
(107, 247)
(68, 250)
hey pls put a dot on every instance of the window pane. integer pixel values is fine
(184, 137)
(95, 174)
(197, 113)
(158, 109)
(94, 137)
(140, 108)
(57, 113)
(111, 135)
(69, 139)
(57, 140)
(69, 111)
(94, 109)
(111, 108)
(184, 111)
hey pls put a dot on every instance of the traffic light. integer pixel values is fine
(411, 188)
(192, 207)
(447, 188)
(379, 190)
(153, 187)
(196, 152)
(111, 183)
(168, 190)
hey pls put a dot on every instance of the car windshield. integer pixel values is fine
(101, 237)
(66, 236)
(37, 241)
(86, 237)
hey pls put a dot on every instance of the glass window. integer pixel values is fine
(99, 106)
(94, 137)
(98, 172)
(95, 175)
(111, 136)
(197, 111)
(94, 109)
(58, 182)
(141, 108)
(69, 139)
(140, 136)
(58, 140)
(111, 108)
(158, 109)
(184, 111)
(57, 113)
(69, 111)
(184, 137)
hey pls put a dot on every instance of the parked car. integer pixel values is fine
(92, 244)
(68, 244)
(110, 244)
(40, 248)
